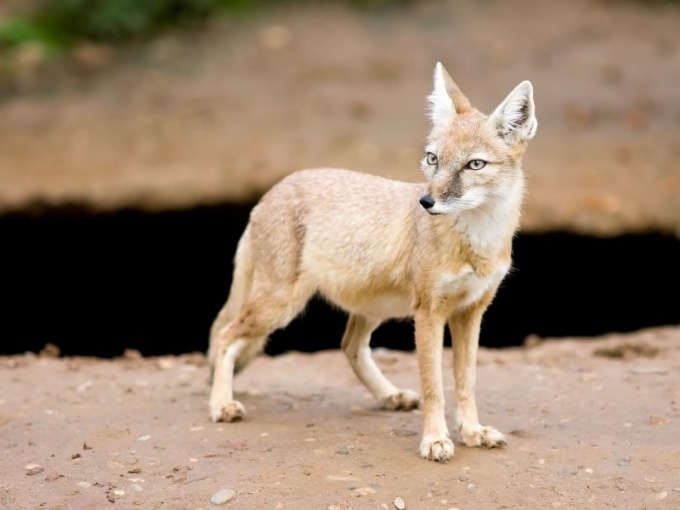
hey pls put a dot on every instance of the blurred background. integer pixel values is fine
(136, 136)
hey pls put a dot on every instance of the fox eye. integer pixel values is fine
(431, 159)
(475, 164)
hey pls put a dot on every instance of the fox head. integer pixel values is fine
(472, 159)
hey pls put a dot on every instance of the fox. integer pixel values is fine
(379, 249)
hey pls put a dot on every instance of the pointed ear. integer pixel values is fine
(515, 118)
(446, 99)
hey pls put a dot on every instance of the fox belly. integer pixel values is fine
(381, 306)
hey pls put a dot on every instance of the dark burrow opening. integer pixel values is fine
(97, 284)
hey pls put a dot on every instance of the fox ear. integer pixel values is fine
(446, 99)
(515, 118)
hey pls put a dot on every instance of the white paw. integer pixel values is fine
(439, 449)
(403, 400)
(232, 411)
(488, 437)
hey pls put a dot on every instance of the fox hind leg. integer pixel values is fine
(264, 312)
(356, 346)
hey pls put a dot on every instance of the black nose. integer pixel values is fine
(427, 201)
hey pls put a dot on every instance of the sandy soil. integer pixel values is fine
(224, 113)
(591, 424)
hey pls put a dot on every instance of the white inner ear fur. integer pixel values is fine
(441, 104)
(515, 117)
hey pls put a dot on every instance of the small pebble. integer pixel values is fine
(661, 496)
(588, 470)
(132, 354)
(649, 370)
(119, 492)
(658, 420)
(624, 462)
(399, 503)
(223, 496)
(165, 363)
(144, 438)
(84, 485)
(341, 478)
(136, 487)
(365, 491)
(677, 489)
(83, 386)
(34, 469)
(471, 487)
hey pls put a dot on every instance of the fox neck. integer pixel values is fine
(490, 227)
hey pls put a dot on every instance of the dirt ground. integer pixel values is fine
(223, 114)
(591, 424)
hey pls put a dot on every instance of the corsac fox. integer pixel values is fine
(381, 249)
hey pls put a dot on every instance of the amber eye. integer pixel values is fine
(475, 164)
(431, 159)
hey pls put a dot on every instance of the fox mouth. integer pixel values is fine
(434, 213)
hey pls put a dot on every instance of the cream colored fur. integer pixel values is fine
(380, 249)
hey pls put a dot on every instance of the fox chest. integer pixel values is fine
(467, 286)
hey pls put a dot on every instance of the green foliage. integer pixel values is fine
(19, 32)
(116, 20)
(60, 23)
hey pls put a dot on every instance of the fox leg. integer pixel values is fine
(436, 444)
(464, 326)
(238, 294)
(265, 311)
(356, 346)
(223, 407)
